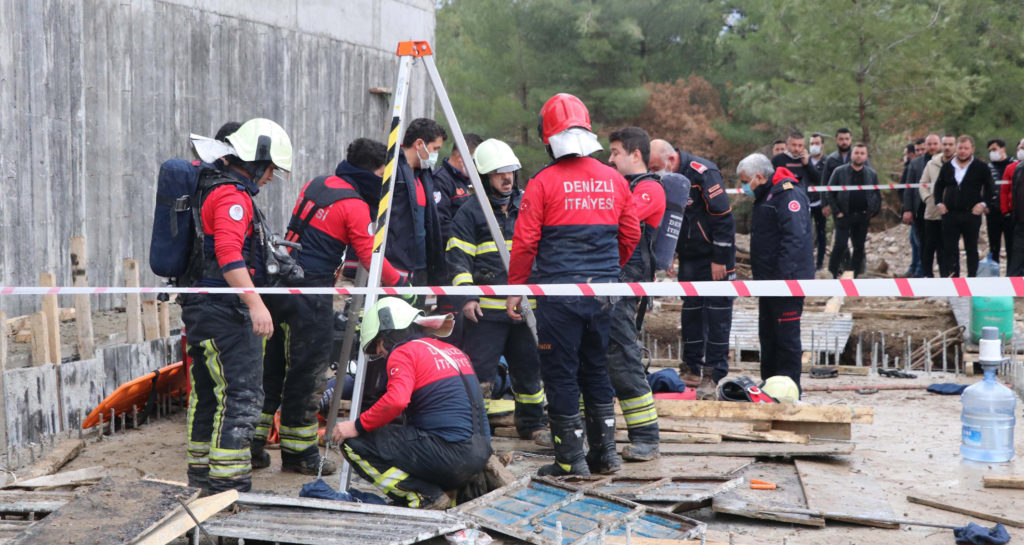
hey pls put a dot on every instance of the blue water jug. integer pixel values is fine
(988, 409)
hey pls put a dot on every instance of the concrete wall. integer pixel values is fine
(95, 94)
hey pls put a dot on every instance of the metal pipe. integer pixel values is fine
(859, 358)
(945, 368)
(113, 421)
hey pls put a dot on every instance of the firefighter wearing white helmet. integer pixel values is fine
(445, 441)
(225, 332)
(488, 332)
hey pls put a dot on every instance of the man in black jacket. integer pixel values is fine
(817, 162)
(707, 251)
(781, 248)
(962, 194)
(473, 259)
(452, 187)
(999, 222)
(914, 206)
(853, 209)
(837, 158)
(414, 242)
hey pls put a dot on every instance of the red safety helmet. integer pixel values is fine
(562, 111)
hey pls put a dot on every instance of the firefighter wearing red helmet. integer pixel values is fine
(576, 225)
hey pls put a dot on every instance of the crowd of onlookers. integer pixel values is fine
(952, 191)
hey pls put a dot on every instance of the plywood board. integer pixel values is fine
(65, 478)
(845, 493)
(786, 450)
(993, 504)
(759, 504)
(23, 502)
(55, 458)
(109, 513)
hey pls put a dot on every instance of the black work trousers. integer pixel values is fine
(1016, 266)
(485, 342)
(852, 229)
(932, 254)
(706, 323)
(573, 342)
(226, 396)
(999, 227)
(626, 371)
(957, 225)
(820, 241)
(412, 466)
(778, 329)
(294, 370)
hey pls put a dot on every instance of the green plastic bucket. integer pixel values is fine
(994, 312)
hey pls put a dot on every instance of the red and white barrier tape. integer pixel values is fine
(833, 188)
(865, 287)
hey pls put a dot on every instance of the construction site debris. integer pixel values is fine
(1003, 481)
(992, 504)
(545, 512)
(78, 477)
(844, 493)
(187, 517)
(768, 504)
(303, 521)
(103, 516)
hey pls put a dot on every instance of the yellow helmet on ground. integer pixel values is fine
(782, 388)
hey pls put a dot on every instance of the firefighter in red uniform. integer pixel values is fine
(330, 220)
(576, 225)
(630, 152)
(445, 441)
(225, 331)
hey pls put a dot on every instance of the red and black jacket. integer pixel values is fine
(229, 228)
(428, 389)
(576, 225)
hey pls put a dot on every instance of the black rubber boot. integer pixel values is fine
(260, 457)
(602, 457)
(567, 432)
(643, 444)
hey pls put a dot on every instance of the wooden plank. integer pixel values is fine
(181, 522)
(52, 312)
(759, 504)
(165, 318)
(1003, 481)
(56, 458)
(105, 514)
(764, 411)
(40, 340)
(65, 478)
(151, 319)
(774, 436)
(83, 303)
(992, 504)
(845, 495)
(815, 430)
(676, 437)
(23, 336)
(133, 303)
(734, 448)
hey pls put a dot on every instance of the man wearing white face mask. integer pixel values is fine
(999, 222)
(414, 241)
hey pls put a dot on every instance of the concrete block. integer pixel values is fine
(30, 398)
(82, 387)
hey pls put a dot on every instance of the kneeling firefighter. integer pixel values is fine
(445, 442)
(473, 258)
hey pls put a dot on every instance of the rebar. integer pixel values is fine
(80, 422)
(113, 422)
(859, 359)
(945, 368)
(135, 416)
(928, 358)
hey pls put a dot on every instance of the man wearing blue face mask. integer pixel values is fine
(414, 241)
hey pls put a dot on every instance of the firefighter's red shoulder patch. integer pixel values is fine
(700, 168)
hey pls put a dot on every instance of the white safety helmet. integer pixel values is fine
(493, 155)
(261, 139)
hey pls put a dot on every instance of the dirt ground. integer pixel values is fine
(913, 442)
